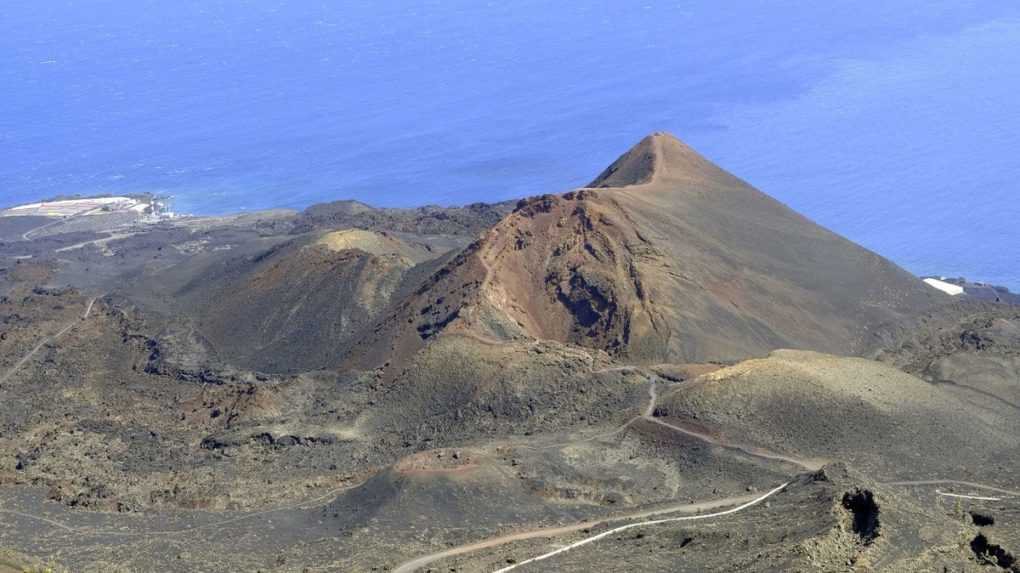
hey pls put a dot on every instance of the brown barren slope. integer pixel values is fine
(290, 308)
(886, 421)
(665, 257)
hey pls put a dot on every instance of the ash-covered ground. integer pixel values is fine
(666, 371)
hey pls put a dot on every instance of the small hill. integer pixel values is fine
(885, 421)
(378, 244)
(461, 387)
(441, 489)
(293, 307)
(671, 259)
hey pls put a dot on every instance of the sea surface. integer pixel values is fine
(896, 124)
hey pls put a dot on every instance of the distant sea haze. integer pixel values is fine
(894, 125)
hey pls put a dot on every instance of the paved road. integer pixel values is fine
(747, 501)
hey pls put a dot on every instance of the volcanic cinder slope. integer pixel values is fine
(825, 407)
(292, 307)
(468, 389)
(663, 258)
(971, 349)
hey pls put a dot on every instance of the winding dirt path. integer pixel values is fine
(27, 235)
(962, 496)
(808, 464)
(649, 409)
(306, 504)
(88, 309)
(649, 414)
(101, 243)
(653, 400)
(746, 501)
(45, 520)
(35, 349)
(24, 359)
(616, 530)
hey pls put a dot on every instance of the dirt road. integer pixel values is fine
(616, 530)
(100, 243)
(24, 359)
(649, 414)
(306, 504)
(747, 502)
(962, 496)
(27, 235)
(808, 464)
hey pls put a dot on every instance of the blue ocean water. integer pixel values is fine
(893, 123)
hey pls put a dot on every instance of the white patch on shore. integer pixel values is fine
(948, 288)
(72, 207)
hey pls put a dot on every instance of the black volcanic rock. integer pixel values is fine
(469, 220)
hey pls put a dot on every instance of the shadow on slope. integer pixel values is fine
(887, 422)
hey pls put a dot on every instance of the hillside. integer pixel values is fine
(652, 372)
(970, 348)
(292, 307)
(664, 258)
(469, 220)
(832, 408)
